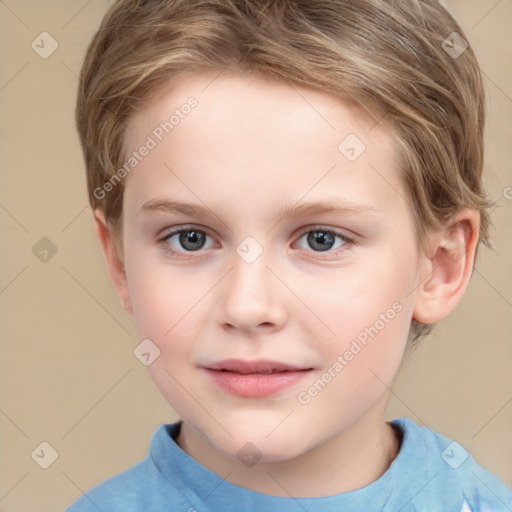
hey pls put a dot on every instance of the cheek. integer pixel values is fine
(368, 310)
(155, 309)
(351, 298)
(361, 360)
(163, 300)
(160, 314)
(160, 294)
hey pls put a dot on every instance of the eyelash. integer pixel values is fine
(348, 245)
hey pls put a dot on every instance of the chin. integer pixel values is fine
(252, 443)
(268, 452)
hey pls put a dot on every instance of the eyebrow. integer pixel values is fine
(286, 212)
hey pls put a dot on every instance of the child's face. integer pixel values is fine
(247, 151)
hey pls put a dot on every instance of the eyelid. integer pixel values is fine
(184, 227)
(320, 227)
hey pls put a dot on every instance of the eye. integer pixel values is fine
(322, 239)
(188, 240)
(192, 239)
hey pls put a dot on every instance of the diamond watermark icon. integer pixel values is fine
(44, 250)
(249, 454)
(456, 249)
(249, 249)
(146, 352)
(454, 455)
(44, 45)
(44, 455)
(351, 147)
(454, 45)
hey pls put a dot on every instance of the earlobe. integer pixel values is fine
(113, 260)
(448, 269)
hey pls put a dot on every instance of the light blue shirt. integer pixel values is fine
(430, 474)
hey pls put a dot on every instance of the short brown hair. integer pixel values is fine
(391, 57)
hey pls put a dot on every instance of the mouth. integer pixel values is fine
(255, 379)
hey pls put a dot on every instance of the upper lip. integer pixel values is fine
(256, 366)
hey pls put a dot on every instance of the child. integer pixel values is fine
(288, 193)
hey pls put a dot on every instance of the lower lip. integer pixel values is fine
(256, 385)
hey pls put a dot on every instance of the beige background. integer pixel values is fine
(68, 374)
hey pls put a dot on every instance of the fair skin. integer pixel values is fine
(250, 148)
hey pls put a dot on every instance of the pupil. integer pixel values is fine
(321, 240)
(192, 240)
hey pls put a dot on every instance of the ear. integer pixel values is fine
(114, 263)
(448, 267)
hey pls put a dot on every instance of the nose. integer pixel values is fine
(252, 296)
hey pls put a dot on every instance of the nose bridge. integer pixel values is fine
(251, 297)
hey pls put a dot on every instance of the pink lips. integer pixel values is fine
(254, 379)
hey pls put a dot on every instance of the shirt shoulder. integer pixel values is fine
(139, 488)
(135, 489)
(451, 476)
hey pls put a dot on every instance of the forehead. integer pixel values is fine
(247, 104)
(268, 141)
